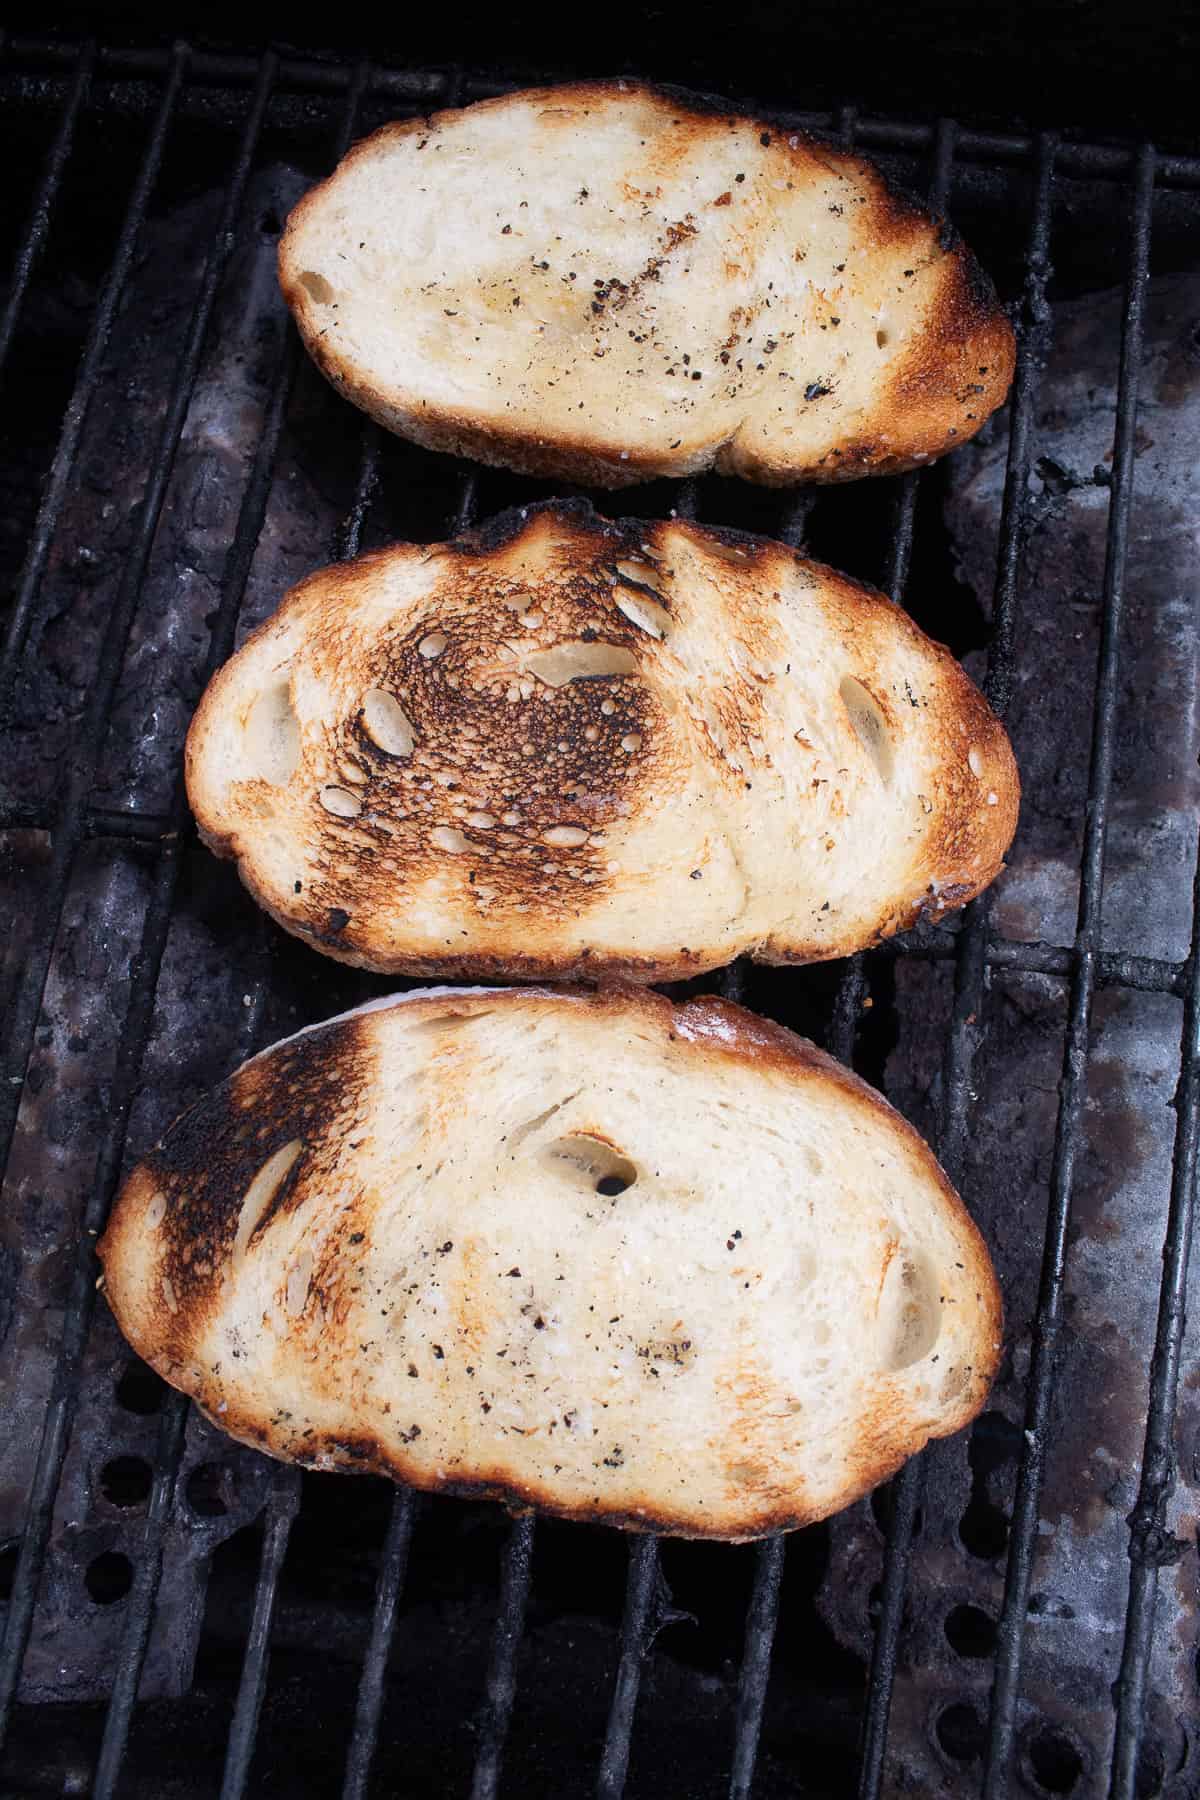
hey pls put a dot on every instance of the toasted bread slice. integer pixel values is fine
(609, 281)
(561, 746)
(665, 1266)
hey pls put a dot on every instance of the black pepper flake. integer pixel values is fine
(438, 1352)
(356, 1237)
(514, 1271)
(539, 1324)
(696, 875)
(339, 918)
(815, 390)
(739, 178)
(412, 1371)
(297, 887)
(506, 231)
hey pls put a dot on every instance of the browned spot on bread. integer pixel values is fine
(308, 1092)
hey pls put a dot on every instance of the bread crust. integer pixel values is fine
(717, 793)
(805, 247)
(178, 1264)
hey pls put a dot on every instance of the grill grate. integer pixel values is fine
(161, 86)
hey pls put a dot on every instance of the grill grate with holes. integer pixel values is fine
(252, 108)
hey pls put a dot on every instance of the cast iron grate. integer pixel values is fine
(243, 100)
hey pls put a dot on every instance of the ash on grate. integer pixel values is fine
(1073, 1636)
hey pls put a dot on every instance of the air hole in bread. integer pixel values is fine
(643, 612)
(271, 741)
(579, 662)
(316, 286)
(340, 801)
(262, 1191)
(387, 724)
(870, 726)
(588, 1164)
(909, 1310)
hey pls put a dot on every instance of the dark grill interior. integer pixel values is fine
(182, 1617)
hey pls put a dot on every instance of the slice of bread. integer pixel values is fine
(665, 1266)
(564, 747)
(609, 281)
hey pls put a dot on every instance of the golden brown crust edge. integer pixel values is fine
(964, 364)
(724, 1030)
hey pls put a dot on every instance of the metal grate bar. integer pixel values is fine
(1034, 343)
(1150, 1544)
(350, 535)
(135, 1635)
(233, 69)
(281, 1510)
(1048, 1322)
(134, 1036)
(971, 948)
(1105, 162)
(643, 1572)
(761, 1618)
(56, 1427)
(38, 227)
(900, 554)
(89, 371)
(394, 1563)
(640, 1583)
(26, 1001)
(388, 1587)
(906, 1495)
(1112, 969)
(515, 1576)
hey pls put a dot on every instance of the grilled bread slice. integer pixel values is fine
(561, 746)
(609, 281)
(665, 1266)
